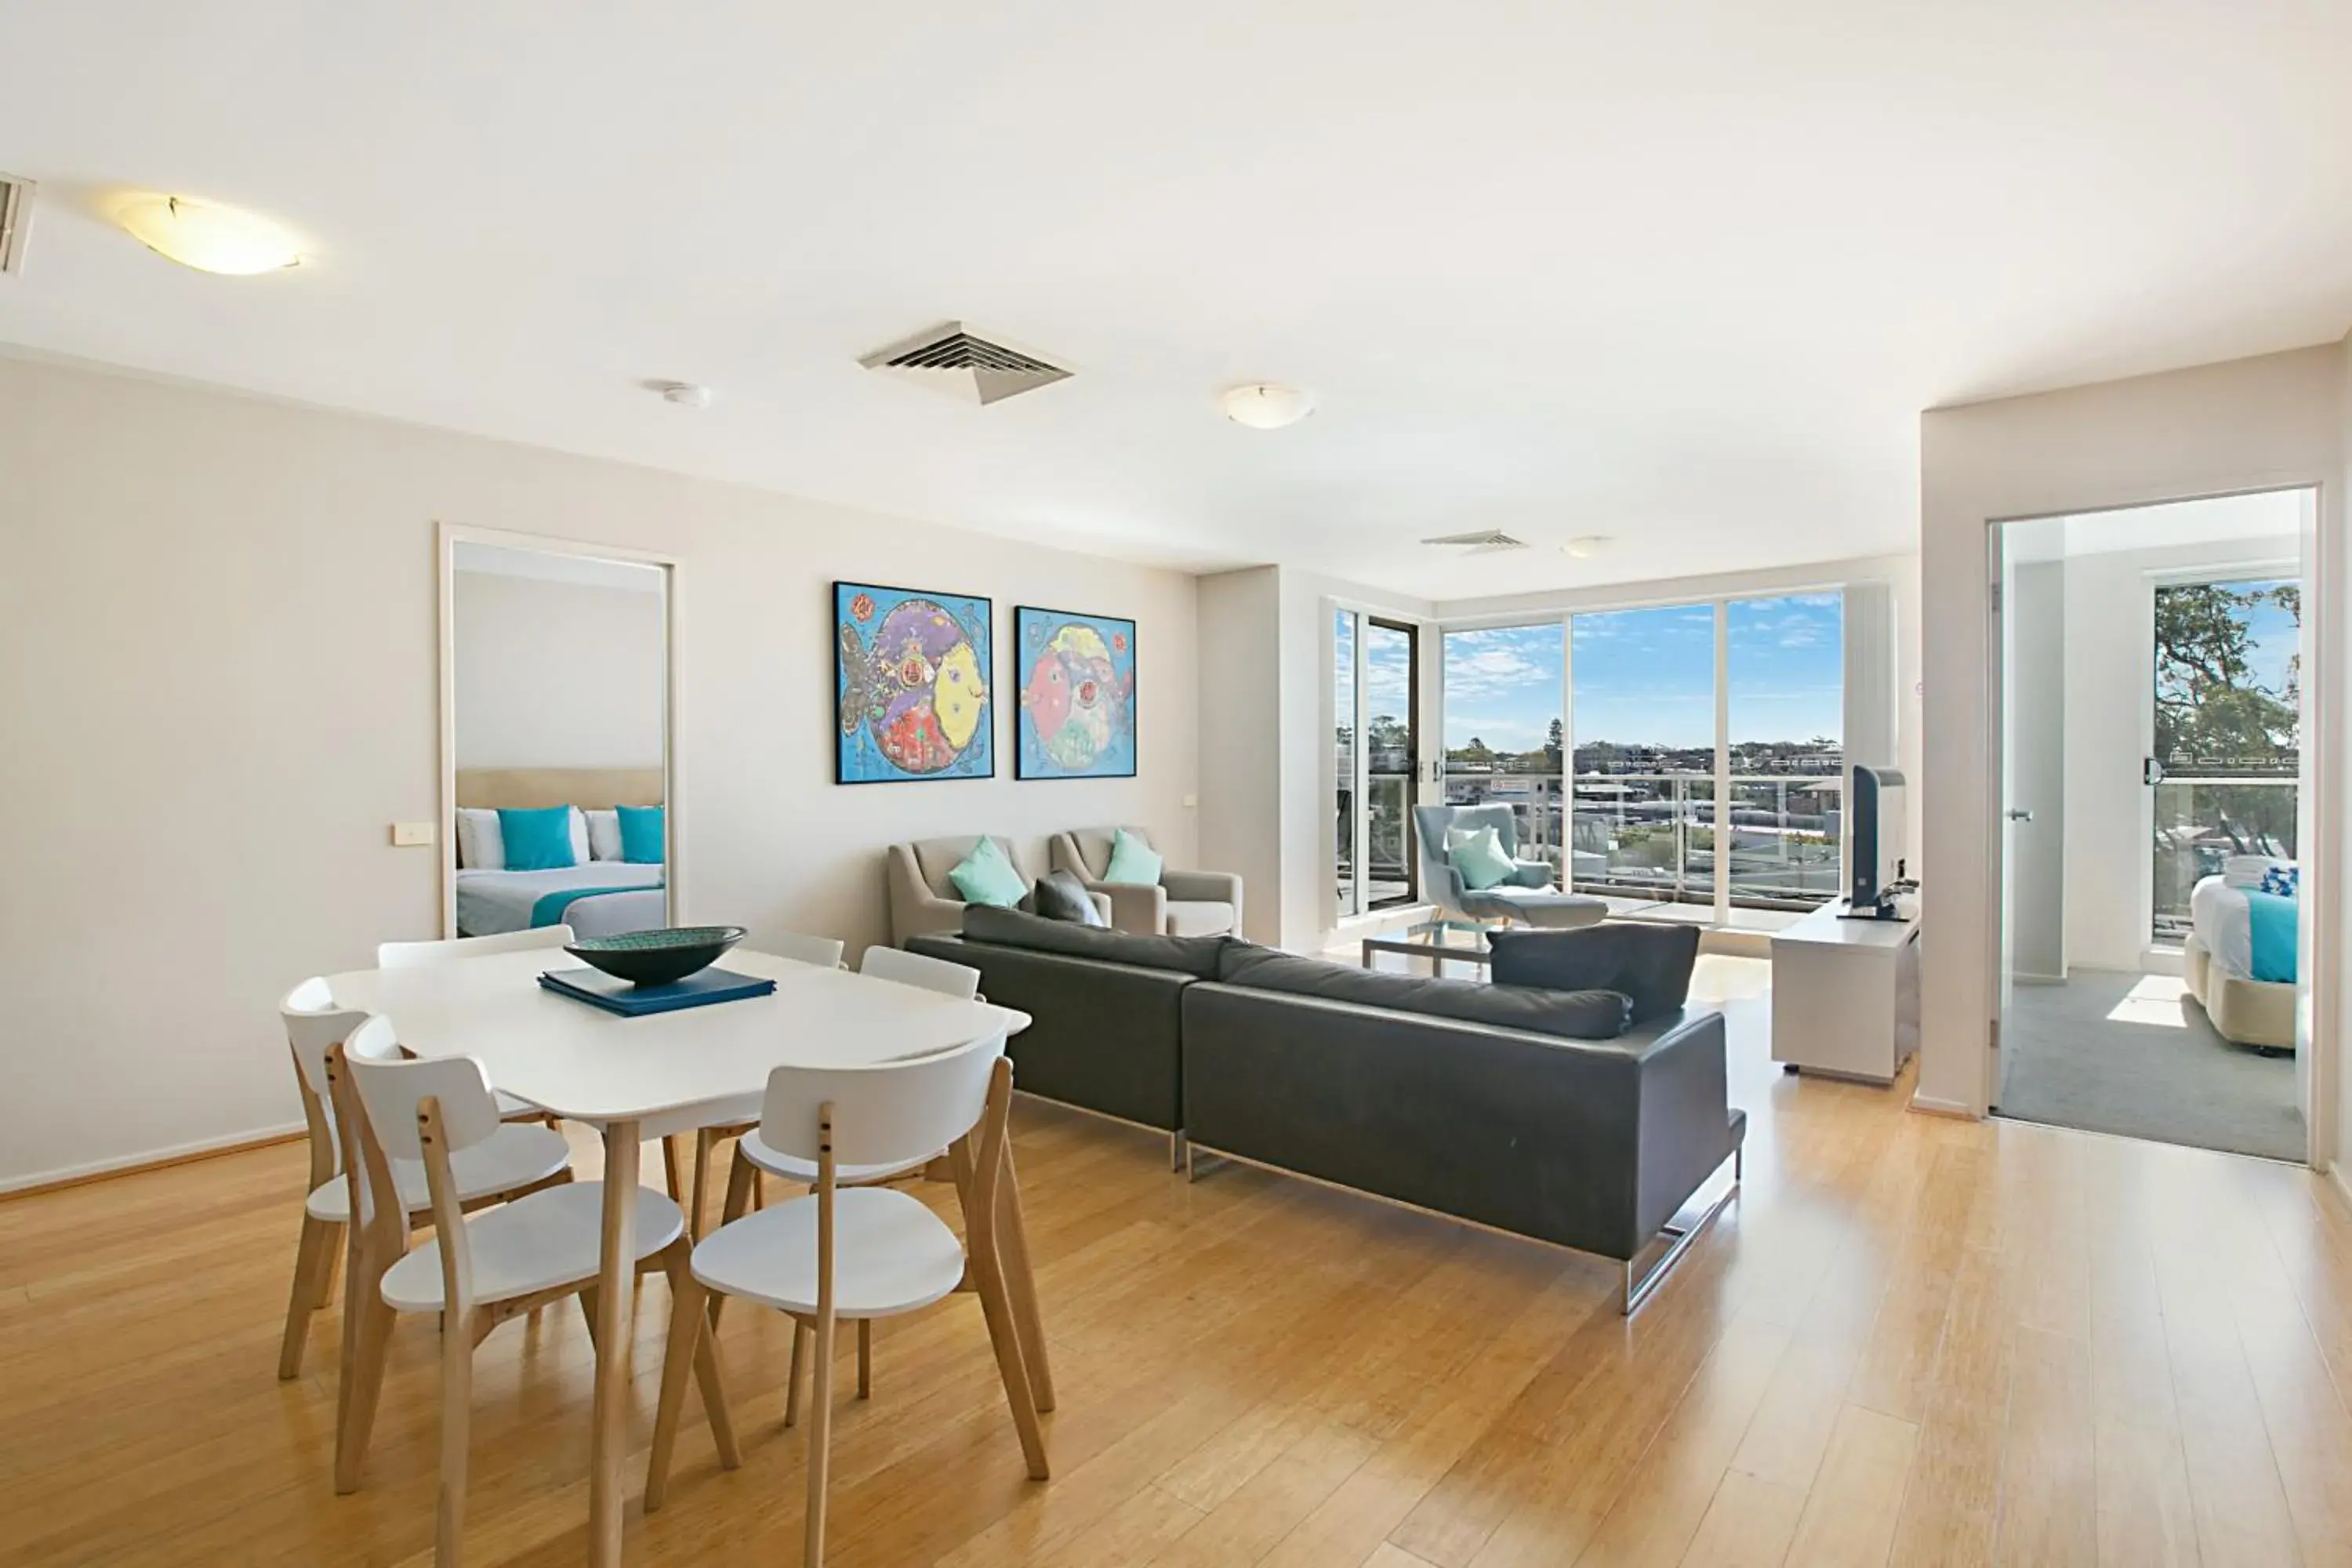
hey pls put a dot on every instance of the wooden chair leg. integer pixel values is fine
(670, 1170)
(1021, 1283)
(865, 1358)
(371, 1323)
(820, 1441)
(313, 1255)
(793, 1373)
(704, 1140)
(741, 1179)
(688, 1346)
(988, 1276)
(328, 1269)
(456, 1432)
(588, 1311)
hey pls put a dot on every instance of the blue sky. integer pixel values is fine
(1648, 676)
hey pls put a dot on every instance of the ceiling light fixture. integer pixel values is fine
(1585, 546)
(1268, 406)
(208, 238)
(685, 394)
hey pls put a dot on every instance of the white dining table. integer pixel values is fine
(662, 1070)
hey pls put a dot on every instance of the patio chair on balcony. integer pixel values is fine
(1531, 899)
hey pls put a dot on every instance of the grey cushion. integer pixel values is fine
(1572, 1015)
(1650, 963)
(1060, 896)
(1193, 955)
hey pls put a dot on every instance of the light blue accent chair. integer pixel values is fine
(1528, 898)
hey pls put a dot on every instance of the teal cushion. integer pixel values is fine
(641, 834)
(1480, 858)
(537, 840)
(1133, 861)
(986, 876)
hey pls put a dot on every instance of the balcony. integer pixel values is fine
(1653, 836)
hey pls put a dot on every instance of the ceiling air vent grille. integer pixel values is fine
(15, 220)
(1481, 542)
(965, 365)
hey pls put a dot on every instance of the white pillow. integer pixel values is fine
(603, 834)
(580, 837)
(2246, 870)
(480, 846)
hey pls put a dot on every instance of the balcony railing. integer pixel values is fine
(2199, 823)
(1655, 836)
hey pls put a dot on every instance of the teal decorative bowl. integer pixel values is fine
(658, 957)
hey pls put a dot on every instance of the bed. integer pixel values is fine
(2240, 955)
(596, 897)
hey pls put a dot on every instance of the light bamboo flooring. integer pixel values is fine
(1911, 1341)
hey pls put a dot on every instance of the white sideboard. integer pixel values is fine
(1846, 994)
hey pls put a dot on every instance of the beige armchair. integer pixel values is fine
(1183, 903)
(922, 899)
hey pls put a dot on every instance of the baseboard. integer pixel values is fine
(123, 1165)
(1927, 1105)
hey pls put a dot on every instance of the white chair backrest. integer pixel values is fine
(390, 1089)
(885, 1115)
(315, 1025)
(920, 969)
(821, 951)
(411, 954)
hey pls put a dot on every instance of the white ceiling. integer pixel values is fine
(1683, 275)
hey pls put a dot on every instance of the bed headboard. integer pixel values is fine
(591, 789)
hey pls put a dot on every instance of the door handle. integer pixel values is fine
(2151, 772)
(2015, 815)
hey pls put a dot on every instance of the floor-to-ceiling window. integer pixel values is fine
(1642, 704)
(1505, 691)
(1784, 669)
(2228, 734)
(1377, 758)
(1617, 735)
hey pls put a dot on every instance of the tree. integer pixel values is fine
(2210, 708)
(1552, 748)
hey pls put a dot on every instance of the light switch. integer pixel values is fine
(1191, 801)
(408, 834)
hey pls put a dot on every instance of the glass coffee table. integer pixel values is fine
(1435, 948)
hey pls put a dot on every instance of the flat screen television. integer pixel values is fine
(1875, 858)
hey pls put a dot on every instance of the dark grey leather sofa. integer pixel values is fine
(1503, 1117)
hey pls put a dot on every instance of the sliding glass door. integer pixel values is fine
(1376, 709)
(1643, 707)
(1784, 664)
(1506, 688)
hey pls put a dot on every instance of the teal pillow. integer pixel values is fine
(537, 840)
(1132, 861)
(1479, 858)
(641, 834)
(986, 876)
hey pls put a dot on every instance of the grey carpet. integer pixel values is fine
(2066, 1062)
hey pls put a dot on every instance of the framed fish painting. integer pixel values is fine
(911, 696)
(1077, 695)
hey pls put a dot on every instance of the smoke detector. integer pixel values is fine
(966, 366)
(16, 221)
(685, 394)
(1481, 542)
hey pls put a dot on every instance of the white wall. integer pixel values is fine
(556, 675)
(218, 685)
(1241, 754)
(2247, 424)
(2110, 676)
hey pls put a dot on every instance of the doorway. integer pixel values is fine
(1376, 703)
(2154, 793)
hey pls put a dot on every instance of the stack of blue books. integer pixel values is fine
(615, 995)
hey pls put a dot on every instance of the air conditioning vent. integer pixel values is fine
(965, 365)
(16, 221)
(1483, 541)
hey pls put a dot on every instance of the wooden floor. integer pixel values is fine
(1910, 1340)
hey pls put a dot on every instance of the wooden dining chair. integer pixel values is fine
(416, 954)
(737, 1118)
(862, 1253)
(519, 1158)
(479, 1270)
(755, 1161)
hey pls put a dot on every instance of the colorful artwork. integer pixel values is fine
(912, 697)
(1077, 696)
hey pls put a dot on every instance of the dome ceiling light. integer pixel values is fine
(209, 236)
(1268, 406)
